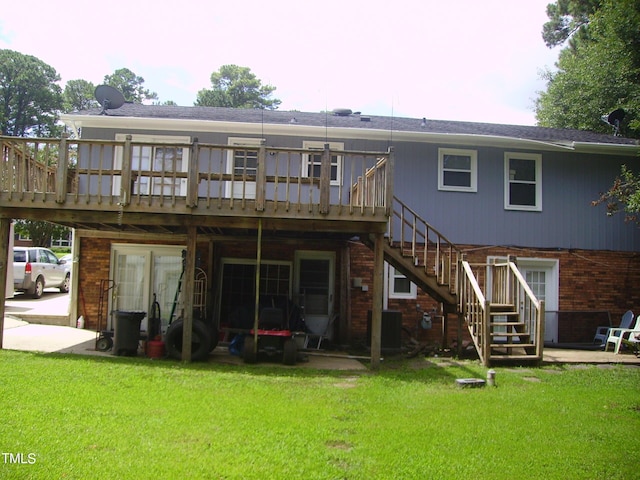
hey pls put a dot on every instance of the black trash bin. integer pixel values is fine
(127, 332)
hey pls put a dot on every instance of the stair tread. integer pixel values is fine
(515, 357)
(512, 345)
(510, 334)
(507, 324)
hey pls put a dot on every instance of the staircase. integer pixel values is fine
(503, 316)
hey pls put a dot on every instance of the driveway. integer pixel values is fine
(51, 309)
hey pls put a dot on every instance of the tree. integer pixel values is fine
(567, 18)
(130, 85)
(237, 87)
(598, 73)
(79, 95)
(40, 232)
(30, 97)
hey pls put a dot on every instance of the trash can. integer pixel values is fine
(127, 332)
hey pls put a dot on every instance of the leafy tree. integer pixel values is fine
(599, 73)
(624, 194)
(79, 95)
(238, 87)
(566, 18)
(40, 232)
(30, 97)
(130, 85)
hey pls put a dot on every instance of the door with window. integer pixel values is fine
(164, 159)
(243, 164)
(542, 278)
(142, 273)
(314, 285)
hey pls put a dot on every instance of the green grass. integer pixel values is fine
(87, 417)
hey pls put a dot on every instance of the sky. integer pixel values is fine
(465, 60)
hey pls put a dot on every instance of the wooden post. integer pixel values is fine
(389, 182)
(376, 314)
(256, 315)
(325, 179)
(125, 182)
(192, 174)
(61, 174)
(261, 177)
(187, 293)
(486, 333)
(5, 224)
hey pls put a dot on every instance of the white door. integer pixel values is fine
(314, 283)
(142, 271)
(542, 278)
(242, 163)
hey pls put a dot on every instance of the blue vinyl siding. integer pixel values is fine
(570, 182)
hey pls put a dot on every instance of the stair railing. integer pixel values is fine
(424, 244)
(509, 287)
(475, 308)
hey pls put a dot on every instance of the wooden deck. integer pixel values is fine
(165, 188)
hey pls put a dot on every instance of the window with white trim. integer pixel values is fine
(399, 285)
(457, 170)
(523, 181)
(312, 162)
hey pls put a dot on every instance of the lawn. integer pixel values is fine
(80, 417)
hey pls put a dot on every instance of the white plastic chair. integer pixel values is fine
(616, 335)
(602, 333)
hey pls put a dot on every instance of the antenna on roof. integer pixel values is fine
(108, 97)
(614, 119)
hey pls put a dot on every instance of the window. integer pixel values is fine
(146, 157)
(457, 170)
(523, 181)
(312, 162)
(399, 285)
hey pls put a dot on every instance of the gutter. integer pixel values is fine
(75, 122)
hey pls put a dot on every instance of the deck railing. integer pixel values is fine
(133, 173)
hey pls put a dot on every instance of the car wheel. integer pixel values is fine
(64, 288)
(39, 288)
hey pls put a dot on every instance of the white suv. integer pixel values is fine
(37, 268)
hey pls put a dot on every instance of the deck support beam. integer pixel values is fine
(256, 314)
(378, 287)
(5, 224)
(188, 285)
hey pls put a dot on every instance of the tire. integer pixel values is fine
(38, 288)
(249, 354)
(290, 352)
(104, 343)
(214, 339)
(200, 340)
(64, 288)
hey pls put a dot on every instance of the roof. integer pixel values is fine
(358, 121)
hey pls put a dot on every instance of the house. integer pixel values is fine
(352, 217)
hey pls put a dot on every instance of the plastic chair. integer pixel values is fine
(616, 335)
(602, 333)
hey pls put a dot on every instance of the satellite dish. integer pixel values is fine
(614, 119)
(108, 97)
